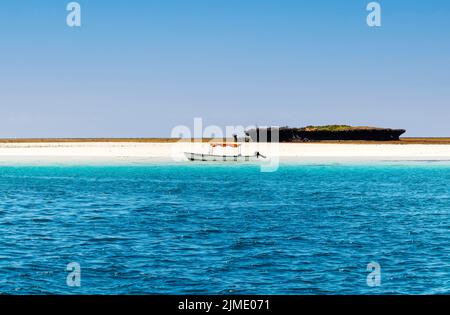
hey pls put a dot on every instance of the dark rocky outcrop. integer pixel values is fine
(333, 132)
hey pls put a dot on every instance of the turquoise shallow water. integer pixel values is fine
(305, 229)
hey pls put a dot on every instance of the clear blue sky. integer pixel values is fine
(139, 68)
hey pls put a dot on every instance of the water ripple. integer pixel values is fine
(305, 229)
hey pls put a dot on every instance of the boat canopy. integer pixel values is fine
(225, 144)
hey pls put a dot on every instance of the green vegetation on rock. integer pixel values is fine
(337, 128)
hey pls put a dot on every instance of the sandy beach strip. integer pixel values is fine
(174, 150)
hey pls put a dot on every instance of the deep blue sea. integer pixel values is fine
(225, 229)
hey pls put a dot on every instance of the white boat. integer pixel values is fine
(238, 157)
